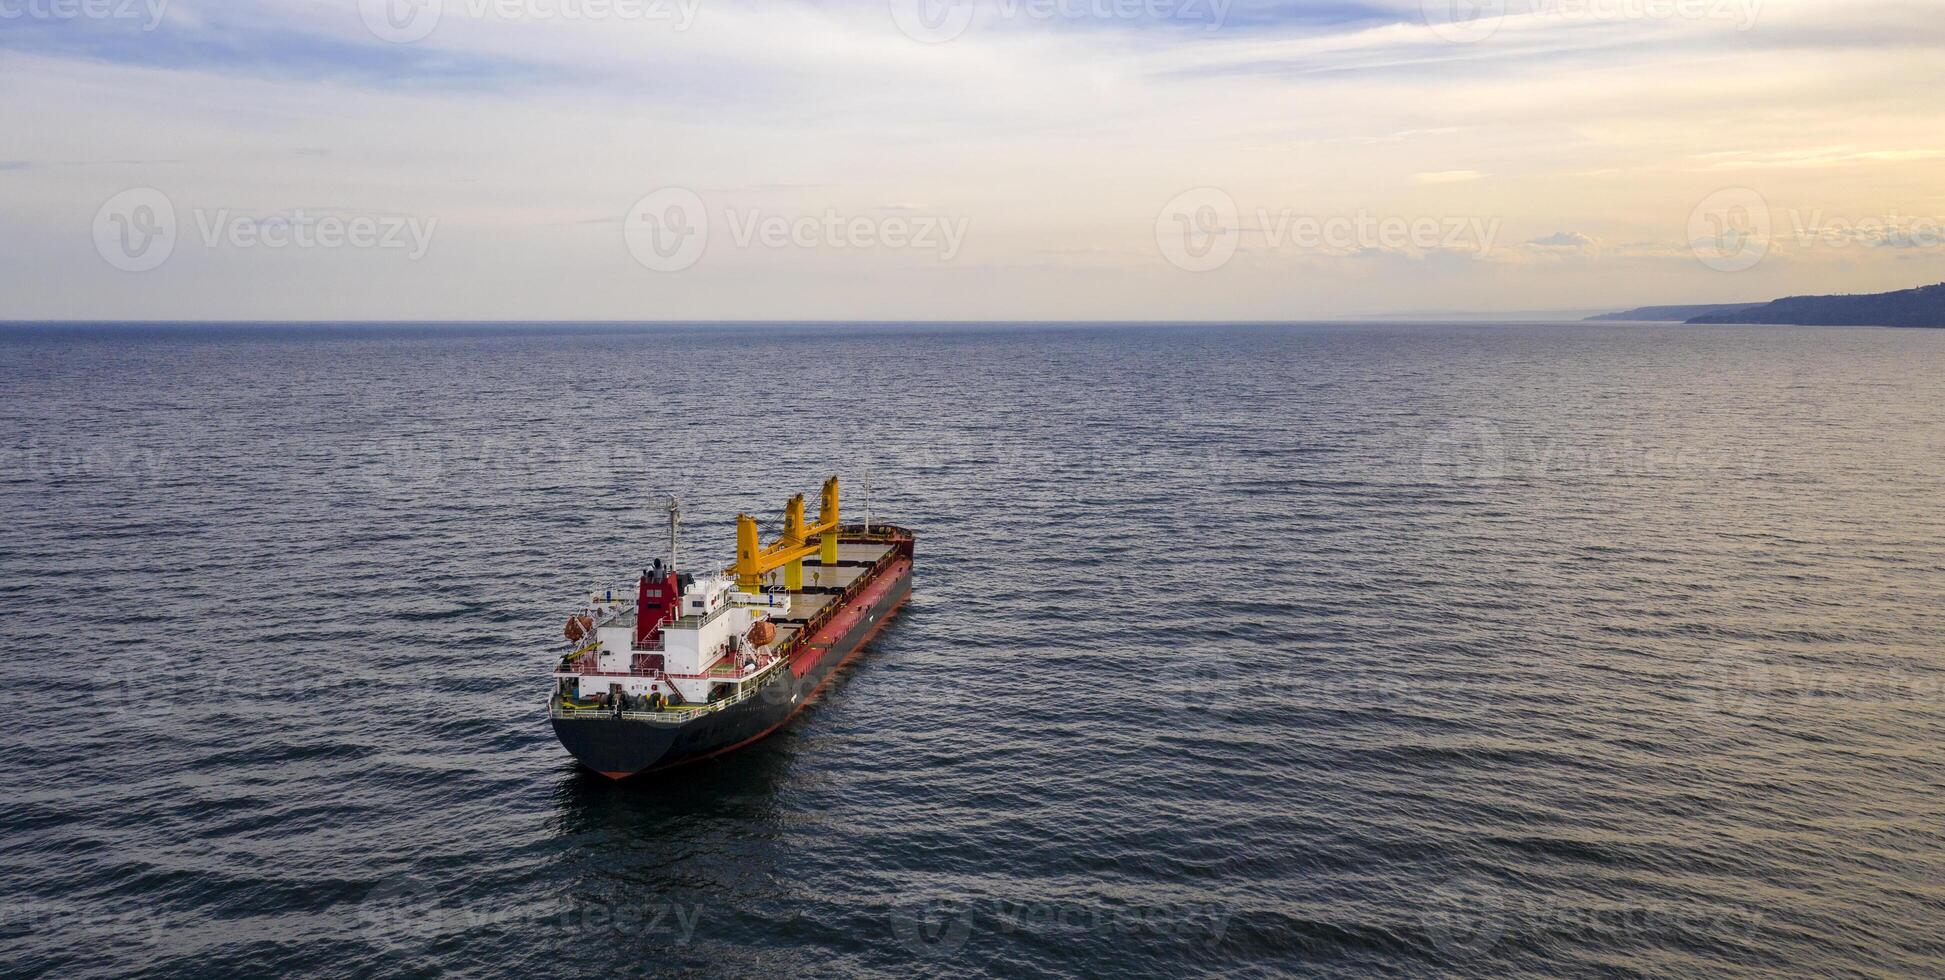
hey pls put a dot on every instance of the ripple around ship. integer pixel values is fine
(1432, 650)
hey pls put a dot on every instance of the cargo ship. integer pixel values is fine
(678, 667)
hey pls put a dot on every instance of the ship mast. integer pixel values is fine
(675, 524)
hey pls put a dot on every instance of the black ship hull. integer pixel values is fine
(622, 747)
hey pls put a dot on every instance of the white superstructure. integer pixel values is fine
(706, 649)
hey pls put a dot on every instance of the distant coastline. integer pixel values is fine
(1921, 307)
(1674, 314)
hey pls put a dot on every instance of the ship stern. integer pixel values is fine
(616, 747)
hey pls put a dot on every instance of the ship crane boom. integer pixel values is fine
(797, 542)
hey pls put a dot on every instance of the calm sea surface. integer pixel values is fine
(1335, 650)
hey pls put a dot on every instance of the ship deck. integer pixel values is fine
(823, 584)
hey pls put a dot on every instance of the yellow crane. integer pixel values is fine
(754, 560)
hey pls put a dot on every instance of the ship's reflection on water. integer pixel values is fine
(744, 794)
(671, 864)
(706, 792)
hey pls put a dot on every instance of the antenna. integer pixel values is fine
(675, 525)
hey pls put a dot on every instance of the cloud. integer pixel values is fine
(1922, 236)
(1448, 177)
(1564, 239)
(1061, 136)
(1815, 157)
(270, 39)
(1562, 247)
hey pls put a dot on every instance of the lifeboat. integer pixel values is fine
(578, 627)
(762, 633)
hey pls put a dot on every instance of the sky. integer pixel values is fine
(960, 159)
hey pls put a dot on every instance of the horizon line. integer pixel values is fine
(1532, 316)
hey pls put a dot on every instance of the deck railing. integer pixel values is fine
(881, 532)
(559, 710)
